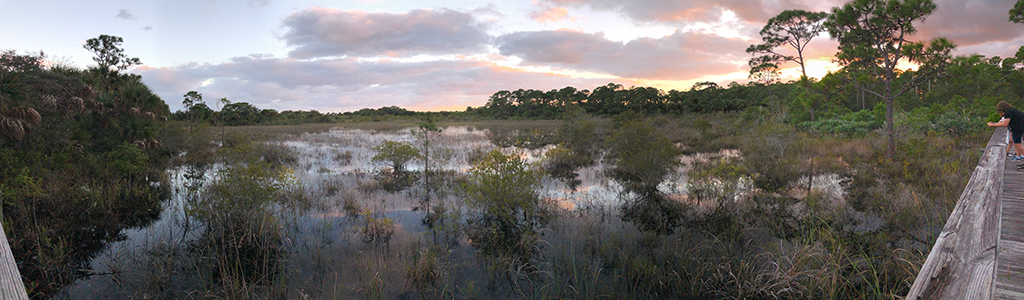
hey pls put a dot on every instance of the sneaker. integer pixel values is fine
(1017, 158)
(1009, 154)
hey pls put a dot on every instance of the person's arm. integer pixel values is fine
(1001, 123)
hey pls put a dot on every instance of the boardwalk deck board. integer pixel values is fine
(959, 266)
(11, 286)
(1009, 281)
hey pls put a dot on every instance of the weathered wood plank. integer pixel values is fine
(961, 264)
(1010, 271)
(1009, 281)
(11, 286)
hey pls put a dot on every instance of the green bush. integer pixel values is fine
(642, 156)
(127, 159)
(856, 124)
(502, 189)
(396, 154)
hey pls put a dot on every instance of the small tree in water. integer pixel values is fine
(426, 130)
(502, 190)
(577, 147)
(643, 158)
(396, 155)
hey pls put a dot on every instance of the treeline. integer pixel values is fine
(613, 99)
(244, 113)
(963, 95)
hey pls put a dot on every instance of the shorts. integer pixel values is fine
(1016, 137)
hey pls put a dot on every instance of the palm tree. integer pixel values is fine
(16, 118)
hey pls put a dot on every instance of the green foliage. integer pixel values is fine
(872, 40)
(503, 191)
(578, 142)
(856, 124)
(80, 160)
(642, 156)
(1017, 12)
(240, 113)
(654, 213)
(21, 186)
(769, 159)
(195, 107)
(248, 184)
(242, 237)
(396, 154)
(613, 99)
(560, 162)
(109, 53)
(579, 133)
(793, 28)
(376, 228)
(716, 181)
(948, 119)
(127, 159)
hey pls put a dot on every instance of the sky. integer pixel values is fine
(336, 56)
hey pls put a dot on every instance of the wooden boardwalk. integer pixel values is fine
(11, 286)
(979, 254)
(1009, 281)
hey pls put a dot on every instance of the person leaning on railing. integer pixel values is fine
(1015, 120)
(1009, 141)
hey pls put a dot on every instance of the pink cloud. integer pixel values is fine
(970, 23)
(553, 14)
(325, 32)
(672, 11)
(680, 56)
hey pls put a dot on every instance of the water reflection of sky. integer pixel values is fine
(334, 165)
(349, 152)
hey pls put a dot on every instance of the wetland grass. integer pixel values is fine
(860, 233)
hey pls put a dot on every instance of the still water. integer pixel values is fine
(354, 240)
(326, 255)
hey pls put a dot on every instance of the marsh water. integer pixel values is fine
(334, 246)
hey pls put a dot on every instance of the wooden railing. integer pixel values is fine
(962, 263)
(11, 286)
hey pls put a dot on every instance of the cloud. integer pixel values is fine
(124, 14)
(976, 26)
(489, 13)
(970, 23)
(680, 56)
(347, 84)
(679, 12)
(327, 32)
(551, 14)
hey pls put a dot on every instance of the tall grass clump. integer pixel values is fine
(241, 214)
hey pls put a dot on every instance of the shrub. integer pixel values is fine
(503, 191)
(642, 156)
(396, 154)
